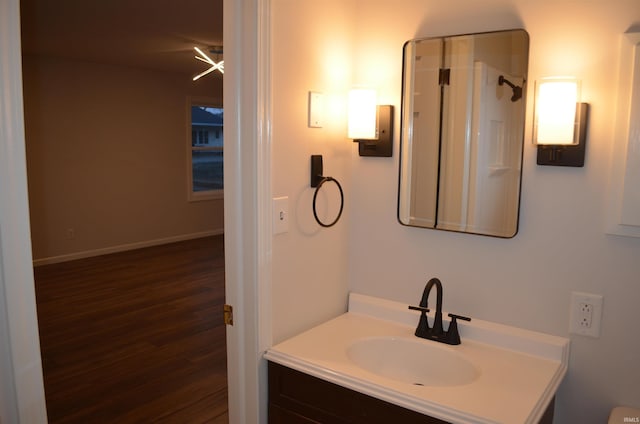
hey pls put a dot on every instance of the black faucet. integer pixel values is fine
(437, 333)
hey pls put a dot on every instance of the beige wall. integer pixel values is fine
(106, 157)
(525, 281)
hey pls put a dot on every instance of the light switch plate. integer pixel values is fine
(316, 109)
(280, 215)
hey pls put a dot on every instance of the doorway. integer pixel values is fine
(89, 140)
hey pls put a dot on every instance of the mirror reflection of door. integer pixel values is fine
(494, 170)
(455, 139)
(425, 124)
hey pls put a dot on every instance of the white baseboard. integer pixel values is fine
(124, 247)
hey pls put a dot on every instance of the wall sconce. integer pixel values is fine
(370, 125)
(560, 124)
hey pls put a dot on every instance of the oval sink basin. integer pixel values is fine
(417, 362)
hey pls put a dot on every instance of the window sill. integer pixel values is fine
(206, 195)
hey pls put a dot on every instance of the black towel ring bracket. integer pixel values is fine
(317, 180)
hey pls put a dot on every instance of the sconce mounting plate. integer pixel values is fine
(570, 155)
(382, 147)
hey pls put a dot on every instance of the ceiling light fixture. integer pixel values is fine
(204, 58)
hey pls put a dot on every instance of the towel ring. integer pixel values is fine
(315, 195)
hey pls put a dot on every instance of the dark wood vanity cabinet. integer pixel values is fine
(298, 398)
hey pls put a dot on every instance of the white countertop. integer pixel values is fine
(519, 370)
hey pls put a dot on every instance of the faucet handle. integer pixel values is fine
(453, 337)
(418, 308)
(423, 325)
(454, 316)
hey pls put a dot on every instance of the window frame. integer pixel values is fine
(195, 196)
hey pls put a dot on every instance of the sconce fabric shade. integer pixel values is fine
(557, 117)
(362, 114)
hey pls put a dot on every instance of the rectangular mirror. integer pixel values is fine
(462, 132)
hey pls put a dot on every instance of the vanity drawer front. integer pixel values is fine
(295, 397)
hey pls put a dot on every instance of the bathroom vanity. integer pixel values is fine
(298, 397)
(367, 366)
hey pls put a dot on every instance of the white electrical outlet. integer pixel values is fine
(586, 314)
(585, 311)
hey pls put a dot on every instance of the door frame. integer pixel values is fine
(247, 176)
(21, 383)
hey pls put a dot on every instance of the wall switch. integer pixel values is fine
(586, 314)
(71, 234)
(316, 109)
(280, 215)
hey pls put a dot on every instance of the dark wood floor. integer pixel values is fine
(135, 336)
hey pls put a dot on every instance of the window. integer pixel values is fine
(205, 153)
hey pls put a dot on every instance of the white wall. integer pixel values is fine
(525, 281)
(561, 246)
(311, 52)
(107, 156)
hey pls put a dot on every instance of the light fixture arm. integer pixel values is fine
(204, 58)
